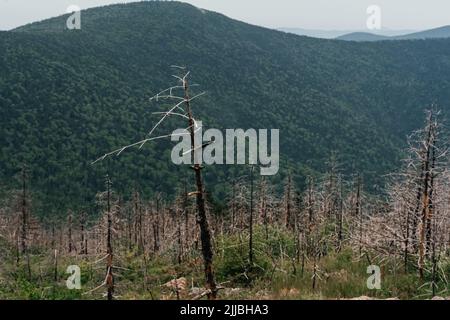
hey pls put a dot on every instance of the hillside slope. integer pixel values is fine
(67, 97)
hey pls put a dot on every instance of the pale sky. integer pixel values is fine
(309, 14)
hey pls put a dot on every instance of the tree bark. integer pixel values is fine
(205, 233)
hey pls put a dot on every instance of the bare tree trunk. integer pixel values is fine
(405, 253)
(137, 208)
(109, 247)
(205, 233)
(69, 232)
(434, 268)
(426, 201)
(250, 241)
(83, 241)
(130, 229)
(264, 208)
(55, 253)
(310, 205)
(341, 219)
(233, 205)
(55, 265)
(156, 228)
(288, 202)
(180, 243)
(186, 216)
(430, 206)
(315, 269)
(24, 226)
(422, 182)
(358, 212)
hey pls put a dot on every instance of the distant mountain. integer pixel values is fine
(69, 96)
(442, 32)
(332, 34)
(362, 36)
(323, 34)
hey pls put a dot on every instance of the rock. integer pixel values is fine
(437, 298)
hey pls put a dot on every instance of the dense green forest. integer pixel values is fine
(68, 96)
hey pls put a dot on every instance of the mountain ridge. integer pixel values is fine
(333, 34)
(435, 33)
(68, 97)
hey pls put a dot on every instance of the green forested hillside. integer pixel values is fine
(67, 97)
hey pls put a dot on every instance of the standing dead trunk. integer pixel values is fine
(433, 268)
(429, 216)
(137, 211)
(358, 212)
(315, 270)
(250, 241)
(109, 248)
(310, 206)
(156, 228)
(186, 216)
(406, 249)
(180, 241)
(341, 218)
(83, 240)
(205, 233)
(288, 202)
(263, 208)
(24, 224)
(233, 205)
(55, 265)
(69, 232)
(55, 253)
(24, 216)
(425, 157)
(426, 196)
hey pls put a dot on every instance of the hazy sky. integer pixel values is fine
(311, 14)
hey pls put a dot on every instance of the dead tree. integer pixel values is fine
(183, 109)
(233, 204)
(358, 212)
(185, 213)
(417, 195)
(138, 231)
(109, 248)
(427, 191)
(205, 233)
(69, 232)
(24, 216)
(250, 224)
(84, 239)
(263, 206)
(24, 223)
(288, 205)
(156, 227)
(310, 204)
(340, 233)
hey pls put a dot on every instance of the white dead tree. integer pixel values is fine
(110, 206)
(416, 221)
(182, 108)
